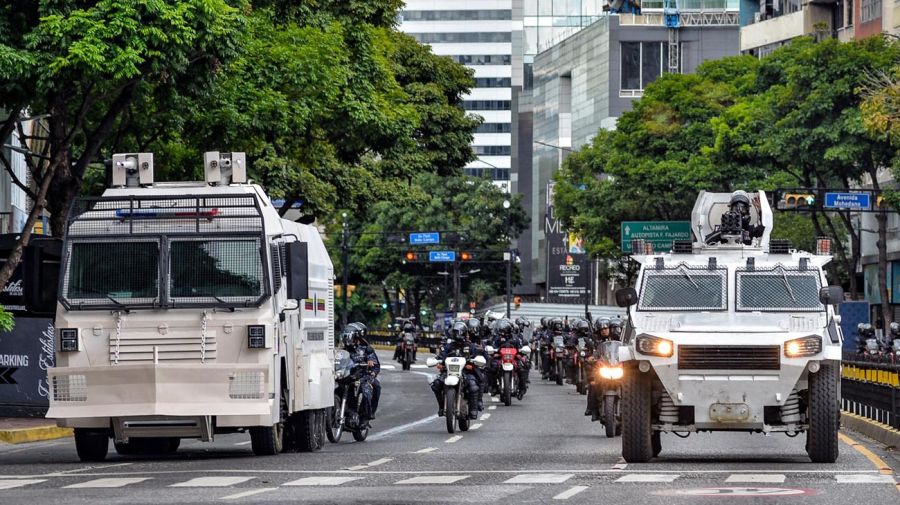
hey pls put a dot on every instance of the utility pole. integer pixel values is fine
(506, 205)
(588, 282)
(345, 235)
(456, 283)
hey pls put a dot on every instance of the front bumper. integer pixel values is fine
(182, 390)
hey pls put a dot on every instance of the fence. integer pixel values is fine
(872, 390)
(430, 340)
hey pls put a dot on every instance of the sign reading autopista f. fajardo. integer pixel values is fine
(659, 233)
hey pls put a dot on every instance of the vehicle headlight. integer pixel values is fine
(801, 347)
(612, 372)
(256, 336)
(68, 339)
(654, 346)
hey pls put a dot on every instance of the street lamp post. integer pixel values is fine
(507, 205)
(344, 254)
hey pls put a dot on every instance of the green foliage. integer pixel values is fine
(7, 322)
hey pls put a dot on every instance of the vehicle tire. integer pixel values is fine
(609, 416)
(656, 440)
(506, 393)
(450, 409)
(361, 434)
(560, 373)
(91, 444)
(267, 440)
(636, 411)
(308, 431)
(824, 414)
(334, 427)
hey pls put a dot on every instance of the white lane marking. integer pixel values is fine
(356, 468)
(321, 481)
(648, 477)
(572, 491)
(540, 478)
(370, 465)
(492, 407)
(247, 442)
(768, 478)
(425, 450)
(9, 484)
(434, 479)
(418, 366)
(88, 468)
(212, 482)
(620, 466)
(495, 399)
(475, 426)
(107, 482)
(485, 417)
(245, 494)
(402, 428)
(453, 439)
(864, 479)
(389, 367)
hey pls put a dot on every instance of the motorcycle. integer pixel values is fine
(557, 365)
(581, 385)
(609, 388)
(509, 367)
(407, 349)
(348, 397)
(456, 405)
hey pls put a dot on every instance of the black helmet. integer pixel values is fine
(601, 323)
(408, 326)
(474, 326)
(504, 328)
(458, 331)
(581, 328)
(353, 332)
(556, 324)
(544, 322)
(895, 328)
(615, 327)
(522, 323)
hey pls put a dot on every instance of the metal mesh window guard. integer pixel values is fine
(684, 288)
(277, 263)
(112, 273)
(216, 270)
(778, 290)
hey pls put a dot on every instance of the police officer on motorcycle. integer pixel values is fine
(407, 327)
(602, 332)
(459, 345)
(505, 337)
(579, 329)
(554, 328)
(353, 338)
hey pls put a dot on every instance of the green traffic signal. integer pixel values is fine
(810, 200)
(383, 306)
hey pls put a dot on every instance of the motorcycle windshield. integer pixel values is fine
(342, 361)
(609, 352)
(559, 341)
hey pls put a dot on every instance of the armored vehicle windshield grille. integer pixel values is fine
(684, 288)
(778, 290)
(165, 215)
(729, 357)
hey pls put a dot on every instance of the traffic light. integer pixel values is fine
(798, 201)
(880, 202)
(518, 302)
(466, 256)
(412, 257)
(383, 306)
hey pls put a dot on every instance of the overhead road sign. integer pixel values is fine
(441, 256)
(424, 238)
(848, 201)
(662, 234)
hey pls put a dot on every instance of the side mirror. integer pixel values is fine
(831, 295)
(297, 270)
(431, 362)
(525, 350)
(39, 275)
(479, 361)
(626, 297)
(489, 349)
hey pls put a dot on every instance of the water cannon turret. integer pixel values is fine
(738, 218)
(225, 168)
(132, 170)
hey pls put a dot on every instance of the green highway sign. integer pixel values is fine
(660, 233)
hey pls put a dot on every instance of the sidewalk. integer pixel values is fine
(17, 430)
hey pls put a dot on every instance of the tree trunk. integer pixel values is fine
(881, 218)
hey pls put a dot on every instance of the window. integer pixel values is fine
(483, 59)
(432, 38)
(777, 290)
(497, 174)
(486, 104)
(869, 10)
(492, 150)
(224, 271)
(494, 128)
(684, 288)
(493, 82)
(454, 15)
(642, 63)
(112, 273)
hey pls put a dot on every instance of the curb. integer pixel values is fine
(37, 434)
(879, 432)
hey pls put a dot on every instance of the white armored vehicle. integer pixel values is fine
(188, 310)
(731, 331)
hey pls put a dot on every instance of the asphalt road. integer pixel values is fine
(540, 450)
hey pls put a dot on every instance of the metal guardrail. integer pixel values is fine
(429, 340)
(872, 390)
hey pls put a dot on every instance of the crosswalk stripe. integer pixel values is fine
(572, 491)
(453, 439)
(769, 478)
(389, 367)
(864, 479)
(485, 417)
(475, 426)
(427, 449)
(433, 479)
(212, 482)
(418, 366)
(14, 483)
(246, 442)
(540, 478)
(492, 407)
(107, 482)
(322, 481)
(251, 492)
(648, 477)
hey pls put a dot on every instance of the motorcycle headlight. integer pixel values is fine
(612, 372)
(802, 347)
(654, 346)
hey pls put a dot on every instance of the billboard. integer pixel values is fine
(567, 274)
